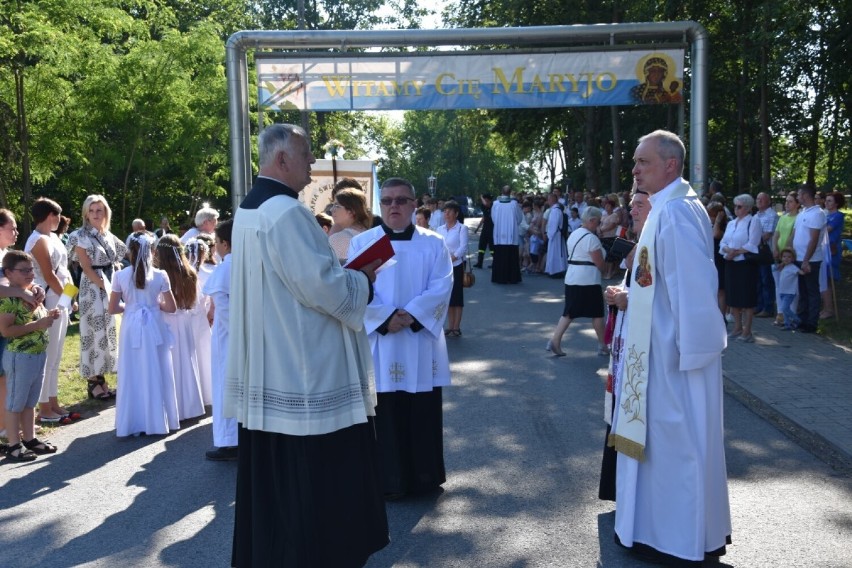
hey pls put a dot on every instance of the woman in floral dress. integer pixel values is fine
(98, 251)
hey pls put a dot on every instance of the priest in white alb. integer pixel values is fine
(671, 484)
(404, 323)
(556, 261)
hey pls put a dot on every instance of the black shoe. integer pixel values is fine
(804, 328)
(477, 266)
(222, 454)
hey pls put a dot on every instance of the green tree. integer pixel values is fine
(157, 116)
(40, 45)
(470, 159)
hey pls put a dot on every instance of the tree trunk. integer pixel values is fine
(24, 140)
(813, 138)
(765, 158)
(548, 161)
(742, 176)
(819, 86)
(615, 165)
(124, 183)
(831, 177)
(321, 135)
(589, 159)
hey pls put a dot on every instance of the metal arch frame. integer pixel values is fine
(239, 44)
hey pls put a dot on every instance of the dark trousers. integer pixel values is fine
(809, 297)
(486, 241)
(765, 290)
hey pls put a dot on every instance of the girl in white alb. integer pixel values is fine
(194, 389)
(146, 402)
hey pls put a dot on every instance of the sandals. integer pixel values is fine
(49, 419)
(19, 453)
(39, 447)
(99, 389)
(58, 420)
(453, 333)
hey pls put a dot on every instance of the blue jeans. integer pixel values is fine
(765, 289)
(790, 317)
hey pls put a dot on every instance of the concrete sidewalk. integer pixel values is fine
(801, 382)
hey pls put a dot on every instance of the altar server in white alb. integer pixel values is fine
(556, 260)
(671, 483)
(507, 216)
(405, 326)
(299, 379)
(218, 288)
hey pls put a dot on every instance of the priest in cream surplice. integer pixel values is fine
(671, 480)
(404, 323)
(299, 379)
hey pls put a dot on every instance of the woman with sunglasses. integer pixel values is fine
(742, 235)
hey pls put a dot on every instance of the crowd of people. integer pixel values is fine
(794, 278)
(163, 355)
(322, 442)
(750, 284)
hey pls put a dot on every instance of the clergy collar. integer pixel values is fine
(404, 235)
(265, 188)
(505, 199)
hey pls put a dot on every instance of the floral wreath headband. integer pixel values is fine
(176, 249)
(143, 257)
(196, 251)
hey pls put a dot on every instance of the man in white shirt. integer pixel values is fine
(136, 225)
(579, 202)
(768, 218)
(437, 217)
(807, 239)
(205, 222)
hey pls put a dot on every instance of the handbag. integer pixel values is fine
(468, 279)
(763, 256)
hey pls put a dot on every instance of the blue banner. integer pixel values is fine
(444, 82)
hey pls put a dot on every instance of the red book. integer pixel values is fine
(378, 249)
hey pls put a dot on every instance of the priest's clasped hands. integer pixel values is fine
(399, 321)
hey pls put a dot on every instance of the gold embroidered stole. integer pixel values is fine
(630, 423)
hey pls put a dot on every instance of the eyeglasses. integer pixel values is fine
(400, 201)
(23, 270)
(336, 206)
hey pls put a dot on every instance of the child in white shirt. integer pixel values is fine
(788, 287)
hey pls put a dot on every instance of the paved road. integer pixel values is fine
(523, 439)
